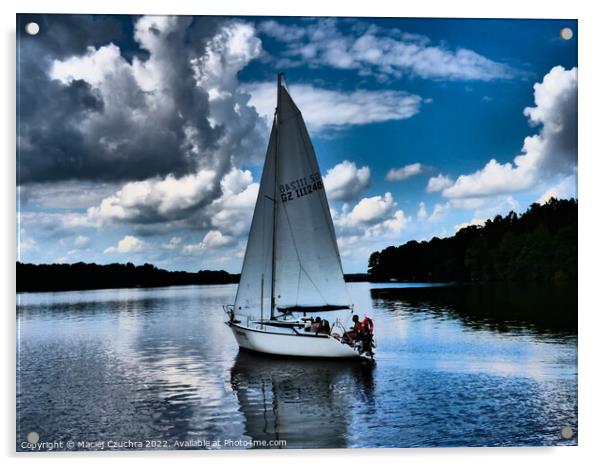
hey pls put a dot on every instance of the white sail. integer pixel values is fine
(253, 296)
(308, 270)
(292, 259)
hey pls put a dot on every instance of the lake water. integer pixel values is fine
(456, 366)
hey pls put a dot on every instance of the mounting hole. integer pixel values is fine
(566, 433)
(32, 29)
(566, 33)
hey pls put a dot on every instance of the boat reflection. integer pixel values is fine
(307, 403)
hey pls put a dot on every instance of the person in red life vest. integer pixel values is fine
(367, 325)
(366, 336)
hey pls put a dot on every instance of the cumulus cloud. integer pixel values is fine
(439, 212)
(212, 239)
(400, 174)
(551, 152)
(323, 108)
(364, 227)
(345, 181)
(371, 217)
(127, 244)
(375, 51)
(232, 211)
(228, 52)
(494, 178)
(155, 114)
(562, 190)
(159, 206)
(492, 206)
(157, 200)
(280, 31)
(368, 211)
(173, 243)
(438, 183)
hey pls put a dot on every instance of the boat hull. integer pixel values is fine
(292, 345)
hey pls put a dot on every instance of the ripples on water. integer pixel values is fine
(457, 366)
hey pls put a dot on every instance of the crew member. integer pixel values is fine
(367, 325)
(316, 325)
(352, 334)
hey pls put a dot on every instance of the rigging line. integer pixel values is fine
(328, 221)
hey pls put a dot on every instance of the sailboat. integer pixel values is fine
(292, 268)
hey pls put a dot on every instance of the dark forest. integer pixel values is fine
(81, 276)
(539, 245)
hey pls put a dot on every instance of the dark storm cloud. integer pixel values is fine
(112, 131)
(48, 113)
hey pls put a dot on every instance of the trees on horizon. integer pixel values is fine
(540, 244)
(83, 276)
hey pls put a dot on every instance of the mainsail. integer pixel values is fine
(292, 260)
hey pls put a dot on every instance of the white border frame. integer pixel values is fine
(590, 161)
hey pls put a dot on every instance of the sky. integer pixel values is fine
(141, 139)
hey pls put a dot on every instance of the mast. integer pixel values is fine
(275, 200)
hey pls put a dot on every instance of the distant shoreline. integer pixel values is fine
(32, 278)
(48, 278)
(82, 276)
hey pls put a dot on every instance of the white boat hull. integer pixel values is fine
(295, 345)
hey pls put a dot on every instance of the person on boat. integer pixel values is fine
(351, 335)
(316, 325)
(366, 335)
(324, 327)
(367, 326)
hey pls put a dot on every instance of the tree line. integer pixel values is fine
(539, 245)
(83, 276)
(89, 276)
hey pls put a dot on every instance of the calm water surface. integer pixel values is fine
(457, 366)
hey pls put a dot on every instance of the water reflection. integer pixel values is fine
(308, 403)
(534, 308)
